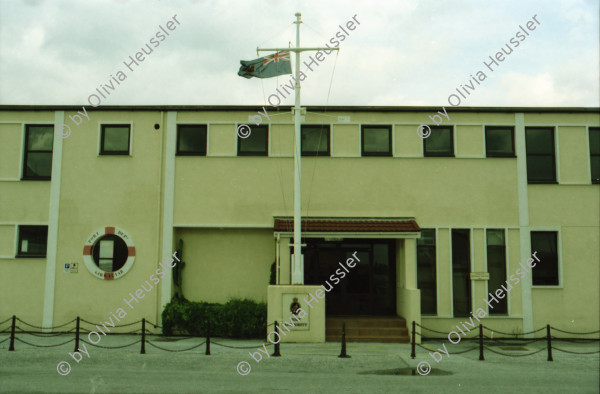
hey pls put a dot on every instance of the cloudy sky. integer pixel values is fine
(404, 52)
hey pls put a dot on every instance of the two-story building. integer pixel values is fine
(436, 224)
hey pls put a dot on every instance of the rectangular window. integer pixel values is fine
(256, 144)
(541, 167)
(440, 143)
(376, 140)
(426, 272)
(496, 264)
(115, 139)
(32, 241)
(191, 140)
(37, 163)
(545, 272)
(315, 140)
(499, 141)
(595, 153)
(461, 268)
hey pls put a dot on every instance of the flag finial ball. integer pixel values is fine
(298, 14)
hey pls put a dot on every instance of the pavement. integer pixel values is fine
(302, 368)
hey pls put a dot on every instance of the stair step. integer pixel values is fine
(384, 332)
(371, 339)
(388, 329)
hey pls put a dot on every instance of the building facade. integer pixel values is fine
(435, 225)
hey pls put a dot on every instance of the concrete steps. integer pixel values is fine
(388, 329)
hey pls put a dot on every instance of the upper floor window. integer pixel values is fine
(315, 140)
(545, 245)
(115, 139)
(256, 144)
(499, 141)
(37, 163)
(376, 140)
(595, 154)
(440, 143)
(541, 167)
(191, 140)
(32, 241)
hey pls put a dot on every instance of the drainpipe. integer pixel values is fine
(277, 259)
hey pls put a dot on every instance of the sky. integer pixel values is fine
(403, 52)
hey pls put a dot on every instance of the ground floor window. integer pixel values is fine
(496, 263)
(461, 268)
(426, 271)
(32, 241)
(110, 253)
(545, 243)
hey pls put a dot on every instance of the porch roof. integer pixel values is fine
(349, 225)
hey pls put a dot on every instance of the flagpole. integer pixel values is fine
(297, 266)
(297, 278)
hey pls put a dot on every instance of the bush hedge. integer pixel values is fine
(238, 318)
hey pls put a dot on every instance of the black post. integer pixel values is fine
(549, 342)
(77, 335)
(143, 351)
(276, 353)
(413, 352)
(11, 348)
(481, 358)
(343, 353)
(207, 352)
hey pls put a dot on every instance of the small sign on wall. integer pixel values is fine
(290, 312)
(70, 268)
(480, 276)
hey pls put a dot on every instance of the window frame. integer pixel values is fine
(364, 153)
(316, 153)
(264, 153)
(513, 154)
(469, 281)
(104, 152)
(452, 150)
(26, 152)
(435, 268)
(554, 180)
(558, 236)
(20, 254)
(506, 299)
(595, 129)
(180, 126)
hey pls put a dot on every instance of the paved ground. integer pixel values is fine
(303, 368)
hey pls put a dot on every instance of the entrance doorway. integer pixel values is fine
(369, 288)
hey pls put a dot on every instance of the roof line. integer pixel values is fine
(287, 108)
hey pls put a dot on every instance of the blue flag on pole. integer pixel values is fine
(266, 67)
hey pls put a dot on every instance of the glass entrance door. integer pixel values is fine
(368, 288)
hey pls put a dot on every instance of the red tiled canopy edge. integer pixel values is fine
(349, 225)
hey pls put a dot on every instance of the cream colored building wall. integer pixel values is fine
(99, 191)
(21, 202)
(222, 189)
(226, 263)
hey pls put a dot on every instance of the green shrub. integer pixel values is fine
(238, 318)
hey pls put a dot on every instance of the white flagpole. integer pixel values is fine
(298, 273)
(297, 266)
